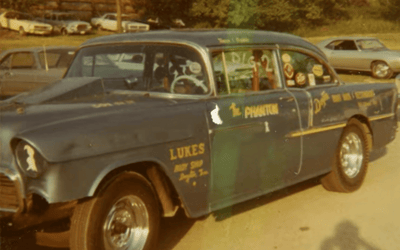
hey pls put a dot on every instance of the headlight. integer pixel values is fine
(29, 160)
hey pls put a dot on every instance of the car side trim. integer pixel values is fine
(315, 130)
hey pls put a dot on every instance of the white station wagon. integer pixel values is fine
(109, 22)
(24, 23)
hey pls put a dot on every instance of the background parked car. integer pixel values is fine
(24, 23)
(25, 69)
(109, 22)
(67, 23)
(361, 54)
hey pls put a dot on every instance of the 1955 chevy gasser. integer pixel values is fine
(142, 124)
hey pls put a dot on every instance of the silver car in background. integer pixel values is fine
(361, 54)
(67, 23)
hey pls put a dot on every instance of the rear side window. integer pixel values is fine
(23, 60)
(242, 71)
(303, 70)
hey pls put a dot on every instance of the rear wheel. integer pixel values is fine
(64, 32)
(124, 215)
(21, 31)
(381, 70)
(351, 161)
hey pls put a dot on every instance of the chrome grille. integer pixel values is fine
(81, 27)
(42, 28)
(8, 194)
(137, 27)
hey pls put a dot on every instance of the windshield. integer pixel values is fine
(370, 45)
(21, 16)
(67, 17)
(150, 68)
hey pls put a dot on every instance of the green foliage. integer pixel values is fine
(390, 9)
(282, 15)
(20, 5)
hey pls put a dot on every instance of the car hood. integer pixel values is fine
(36, 23)
(73, 112)
(75, 22)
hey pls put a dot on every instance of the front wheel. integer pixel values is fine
(124, 215)
(21, 31)
(381, 70)
(351, 161)
(64, 32)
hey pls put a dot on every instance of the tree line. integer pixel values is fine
(278, 15)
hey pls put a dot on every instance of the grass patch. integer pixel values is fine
(11, 39)
(358, 25)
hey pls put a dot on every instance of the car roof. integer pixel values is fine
(209, 38)
(36, 49)
(327, 41)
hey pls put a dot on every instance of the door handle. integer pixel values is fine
(288, 98)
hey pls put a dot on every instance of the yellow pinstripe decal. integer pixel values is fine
(327, 128)
(379, 117)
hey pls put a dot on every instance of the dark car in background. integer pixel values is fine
(66, 23)
(361, 54)
(28, 68)
(145, 124)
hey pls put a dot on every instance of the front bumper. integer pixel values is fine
(40, 32)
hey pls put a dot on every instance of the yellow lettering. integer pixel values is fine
(196, 164)
(202, 172)
(172, 155)
(194, 149)
(346, 96)
(364, 94)
(180, 167)
(187, 177)
(336, 98)
(187, 151)
(201, 148)
(181, 152)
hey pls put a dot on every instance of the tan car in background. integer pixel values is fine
(25, 69)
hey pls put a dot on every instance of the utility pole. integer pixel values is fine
(119, 27)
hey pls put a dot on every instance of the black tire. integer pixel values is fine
(64, 32)
(341, 178)
(381, 70)
(92, 217)
(21, 31)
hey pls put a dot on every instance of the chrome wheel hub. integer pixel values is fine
(127, 225)
(351, 155)
(381, 70)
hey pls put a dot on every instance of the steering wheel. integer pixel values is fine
(189, 79)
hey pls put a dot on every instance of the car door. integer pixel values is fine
(111, 22)
(23, 74)
(345, 55)
(248, 123)
(326, 117)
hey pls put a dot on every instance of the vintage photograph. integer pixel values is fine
(199, 125)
